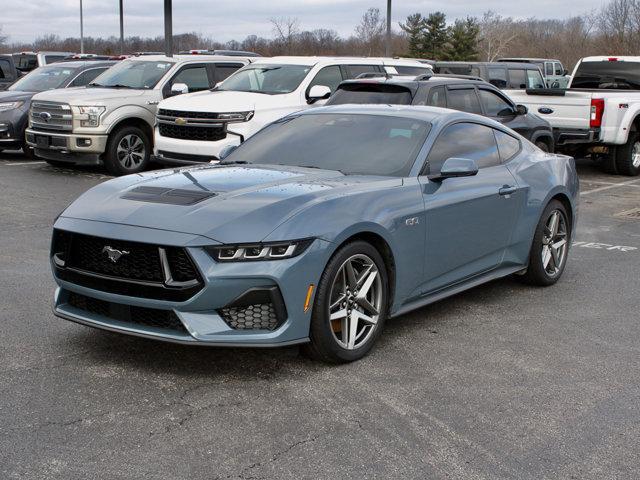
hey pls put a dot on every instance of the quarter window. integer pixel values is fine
(464, 100)
(498, 77)
(494, 105)
(507, 145)
(5, 70)
(464, 140)
(330, 76)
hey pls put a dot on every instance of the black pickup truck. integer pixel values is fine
(8, 71)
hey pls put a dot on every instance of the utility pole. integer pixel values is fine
(388, 41)
(81, 30)
(121, 29)
(168, 28)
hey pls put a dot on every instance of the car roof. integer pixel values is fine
(526, 59)
(310, 61)
(83, 64)
(491, 64)
(413, 84)
(186, 58)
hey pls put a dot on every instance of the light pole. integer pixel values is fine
(388, 41)
(168, 29)
(121, 30)
(81, 30)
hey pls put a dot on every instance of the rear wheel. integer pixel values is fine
(628, 156)
(350, 307)
(550, 247)
(128, 151)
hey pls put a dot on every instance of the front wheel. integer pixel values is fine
(550, 247)
(128, 151)
(542, 145)
(628, 156)
(351, 304)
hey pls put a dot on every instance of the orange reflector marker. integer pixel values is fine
(307, 301)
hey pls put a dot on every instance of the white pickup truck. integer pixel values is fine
(597, 115)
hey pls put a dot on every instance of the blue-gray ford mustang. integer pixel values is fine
(316, 230)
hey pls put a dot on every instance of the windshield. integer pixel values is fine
(133, 74)
(44, 78)
(369, 93)
(607, 75)
(349, 143)
(269, 79)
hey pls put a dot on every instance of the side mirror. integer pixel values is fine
(456, 167)
(179, 88)
(318, 92)
(226, 151)
(522, 110)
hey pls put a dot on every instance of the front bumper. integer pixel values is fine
(12, 125)
(202, 315)
(174, 151)
(73, 148)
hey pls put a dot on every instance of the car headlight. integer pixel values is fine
(90, 116)
(259, 251)
(5, 106)
(236, 116)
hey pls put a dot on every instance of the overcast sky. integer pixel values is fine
(24, 20)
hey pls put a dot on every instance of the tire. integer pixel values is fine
(607, 162)
(128, 151)
(331, 341)
(546, 267)
(628, 156)
(57, 164)
(29, 152)
(542, 145)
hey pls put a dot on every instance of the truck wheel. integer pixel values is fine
(542, 145)
(628, 156)
(607, 162)
(128, 151)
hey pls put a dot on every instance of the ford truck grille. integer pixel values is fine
(51, 117)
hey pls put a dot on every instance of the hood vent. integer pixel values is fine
(168, 196)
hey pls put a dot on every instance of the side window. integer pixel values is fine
(464, 140)
(54, 58)
(86, 77)
(5, 70)
(330, 76)
(517, 78)
(494, 105)
(353, 71)
(508, 146)
(559, 68)
(223, 70)
(464, 100)
(404, 70)
(534, 79)
(195, 78)
(498, 77)
(437, 97)
(548, 68)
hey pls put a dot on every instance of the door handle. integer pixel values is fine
(508, 190)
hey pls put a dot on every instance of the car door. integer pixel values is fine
(463, 97)
(497, 107)
(469, 220)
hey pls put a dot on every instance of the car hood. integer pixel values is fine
(239, 204)
(221, 101)
(15, 96)
(82, 95)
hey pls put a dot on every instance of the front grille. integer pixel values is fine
(260, 316)
(178, 114)
(188, 132)
(51, 117)
(148, 317)
(139, 270)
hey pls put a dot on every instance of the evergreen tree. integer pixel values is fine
(436, 35)
(414, 26)
(463, 40)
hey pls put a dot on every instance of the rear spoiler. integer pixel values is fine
(549, 92)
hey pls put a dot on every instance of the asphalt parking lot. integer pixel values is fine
(503, 381)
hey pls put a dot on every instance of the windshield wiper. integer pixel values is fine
(233, 162)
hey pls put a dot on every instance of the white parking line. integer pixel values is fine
(608, 187)
(21, 163)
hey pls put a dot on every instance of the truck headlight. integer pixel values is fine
(259, 251)
(90, 116)
(236, 116)
(5, 106)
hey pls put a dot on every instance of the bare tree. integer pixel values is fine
(286, 29)
(496, 33)
(3, 38)
(370, 31)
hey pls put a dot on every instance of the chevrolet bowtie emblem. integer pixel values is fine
(113, 254)
(180, 121)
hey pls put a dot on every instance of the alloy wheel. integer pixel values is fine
(355, 301)
(131, 151)
(554, 243)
